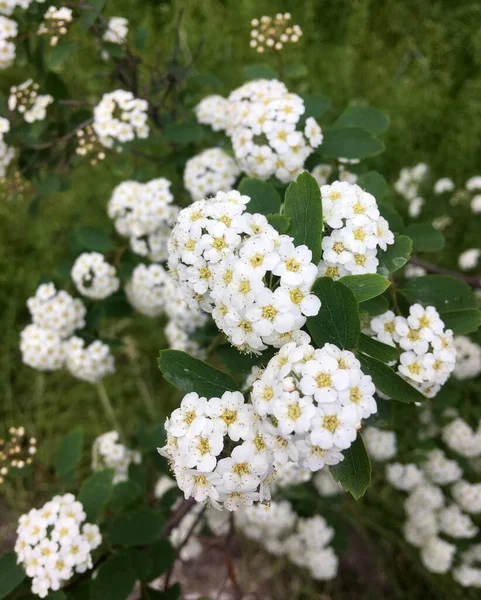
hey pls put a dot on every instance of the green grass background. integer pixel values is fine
(417, 60)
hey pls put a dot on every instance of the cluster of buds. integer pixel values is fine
(273, 32)
(26, 100)
(89, 143)
(16, 451)
(13, 186)
(55, 23)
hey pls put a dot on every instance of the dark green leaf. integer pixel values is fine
(264, 197)
(296, 71)
(190, 374)
(115, 50)
(206, 79)
(354, 472)
(281, 223)
(140, 38)
(57, 55)
(384, 414)
(115, 579)
(140, 562)
(303, 207)
(315, 106)
(150, 438)
(395, 256)
(389, 382)
(93, 239)
(90, 12)
(425, 237)
(365, 287)
(135, 528)
(366, 117)
(11, 574)
(185, 133)
(376, 349)
(351, 142)
(462, 321)
(396, 224)
(260, 71)
(162, 556)
(375, 306)
(124, 494)
(95, 493)
(374, 183)
(441, 291)
(338, 319)
(173, 593)
(69, 452)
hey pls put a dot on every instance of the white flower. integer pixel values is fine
(209, 172)
(90, 363)
(334, 425)
(468, 259)
(313, 132)
(381, 445)
(202, 448)
(94, 277)
(242, 471)
(231, 415)
(117, 30)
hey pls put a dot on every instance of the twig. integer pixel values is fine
(108, 408)
(472, 280)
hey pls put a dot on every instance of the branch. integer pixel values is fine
(472, 280)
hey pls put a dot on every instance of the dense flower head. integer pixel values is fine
(235, 265)
(8, 31)
(90, 363)
(56, 310)
(269, 131)
(409, 186)
(107, 452)
(273, 32)
(305, 409)
(42, 349)
(7, 153)
(55, 23)
(209, 172)
(144, 213)
(354, 231)
(7, 7)
(117, 30)
(17, 450)
(427, 351)
(380, 444)
(462, 438)
(54, 543)
(468, 358)
(120, 117)
(94, 277)
(26, 100)
(469, 259)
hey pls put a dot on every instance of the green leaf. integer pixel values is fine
(140, 38)
(315, 106)
(90, 12)
(190, 374)
(140, 562)
(396, 224)
(115, 579)
(395, 256)
(354, 472)
(264, 197)
(11, 574)
(389, 382)
(425, 237)
(441, 291)
(184, 133)
(56, 86)
(115, 50)
(92, 239)
(281, 223)
(374, 183)
(303, 207)
(95, 493)
(350, 143)
(374, 306)
(135, 528)
(366, 117)
(296, 71)
(69, 452)
(124, 494)
(462, 321)
(162, 556)
(338, 319)
(260, 71)
(150, 438)
(376, 349)
(365, 287)
(57, 55)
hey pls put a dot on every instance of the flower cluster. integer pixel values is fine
(460, 437)
(427, 351)
(306, 408)
(380, 444)
(25, 99)
(54, 542)
(55, 23)
(7, 7)
(273, 32)
(6, 152)
(144, 213)
(354, 232)
(42, 349)
(408, 186)
(254, 281)
(8, 31)
(304, 541)
(90, 363)
(108, 453)
(209, 172)
(117, 30)
(88, 142)
(468, 259)
(16, 451)
(120, 116)
(468, 358)
(269, 132)
(94, 277)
